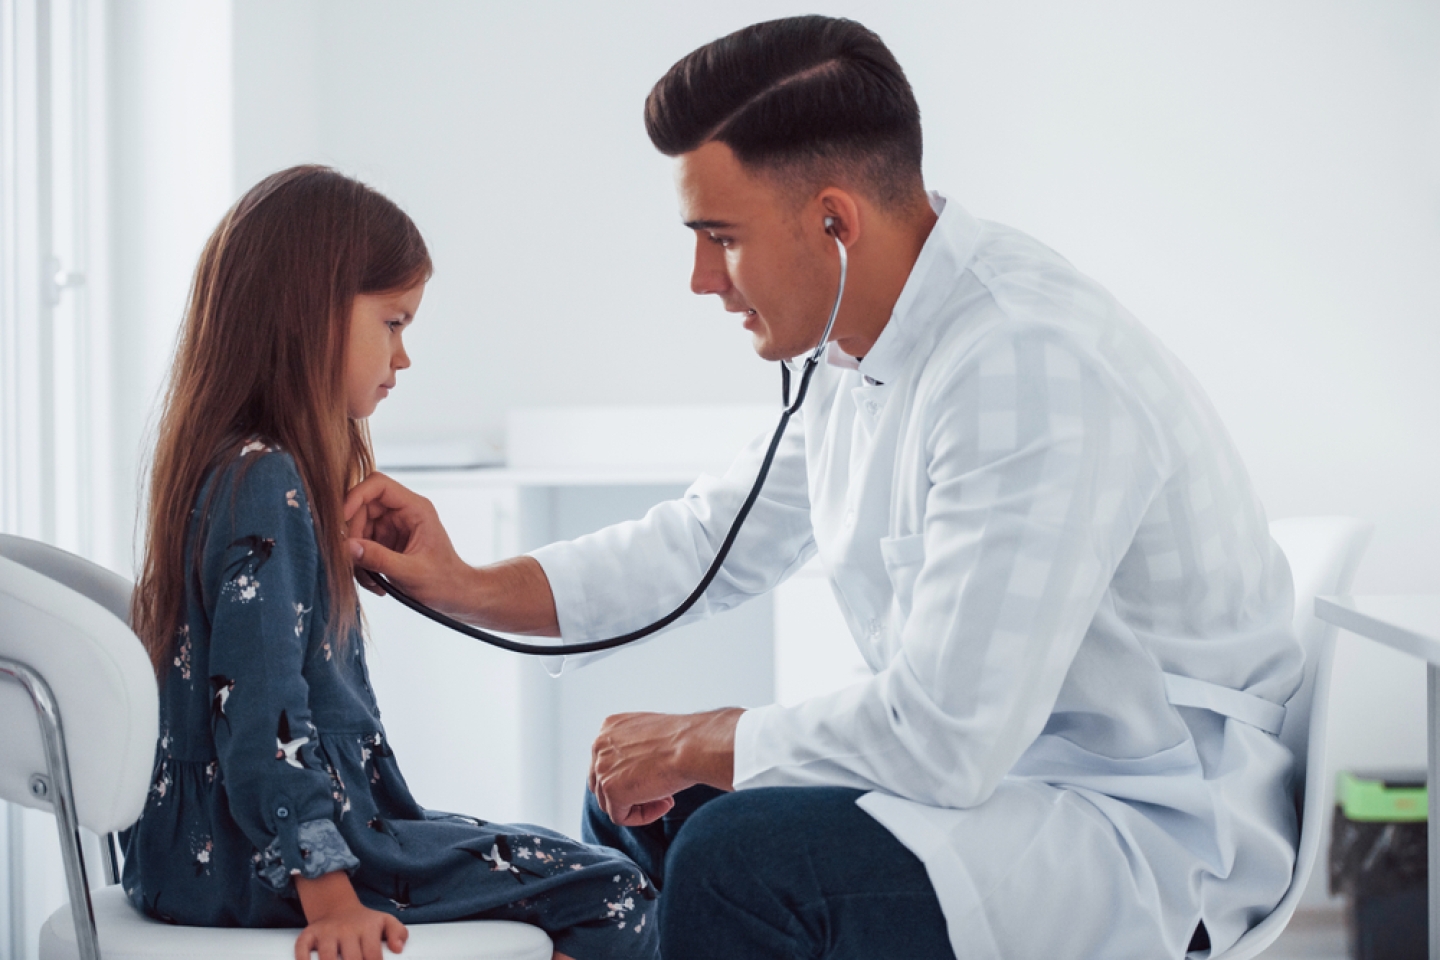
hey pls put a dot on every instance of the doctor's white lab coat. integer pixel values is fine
(1047, 549)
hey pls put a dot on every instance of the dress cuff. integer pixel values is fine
(317, 849)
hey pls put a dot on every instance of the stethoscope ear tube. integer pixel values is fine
(595, 646)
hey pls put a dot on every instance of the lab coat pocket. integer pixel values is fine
(904, 556)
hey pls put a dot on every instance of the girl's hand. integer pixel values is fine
(340, 926)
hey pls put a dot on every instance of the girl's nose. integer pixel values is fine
(401, 359)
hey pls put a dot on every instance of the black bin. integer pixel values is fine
(1378, 860)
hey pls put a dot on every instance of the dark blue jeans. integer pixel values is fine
(782, 872)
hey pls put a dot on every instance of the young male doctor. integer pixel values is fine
(1041, 537)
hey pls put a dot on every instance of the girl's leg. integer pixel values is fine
(593, 903)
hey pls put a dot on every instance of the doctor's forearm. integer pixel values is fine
(514, 596)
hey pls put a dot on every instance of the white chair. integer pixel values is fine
(80, 728)
(1324, 553)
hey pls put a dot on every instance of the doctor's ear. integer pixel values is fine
(840, 215)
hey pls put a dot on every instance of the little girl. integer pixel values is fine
(277, 800)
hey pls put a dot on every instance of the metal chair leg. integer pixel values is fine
(56, 789)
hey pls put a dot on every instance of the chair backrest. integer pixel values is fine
(104, 687)
(105, 587)
(1323, 553)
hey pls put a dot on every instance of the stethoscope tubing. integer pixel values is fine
(610, 643)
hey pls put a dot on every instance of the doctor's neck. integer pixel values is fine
(881, 260)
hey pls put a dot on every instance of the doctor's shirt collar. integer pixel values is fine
(944, 256)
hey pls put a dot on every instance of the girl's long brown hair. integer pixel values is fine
(262, 353)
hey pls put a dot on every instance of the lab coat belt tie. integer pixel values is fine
(1226, 701)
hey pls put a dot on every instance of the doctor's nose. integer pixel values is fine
(709, 274)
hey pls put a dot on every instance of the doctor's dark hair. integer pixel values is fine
(261, 354)
(805, 98)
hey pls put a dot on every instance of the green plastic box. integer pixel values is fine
(1389, 798)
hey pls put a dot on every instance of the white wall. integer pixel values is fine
(172, 152)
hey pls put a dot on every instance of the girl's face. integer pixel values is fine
(375, 352)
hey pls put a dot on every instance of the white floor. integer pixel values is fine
(1313, 935)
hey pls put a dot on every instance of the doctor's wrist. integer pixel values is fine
(513, 595)
(705, 750)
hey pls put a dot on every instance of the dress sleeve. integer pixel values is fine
(260, 573)
(630, 574)
(1041, 467)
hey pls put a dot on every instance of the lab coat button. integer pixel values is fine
(849, 518)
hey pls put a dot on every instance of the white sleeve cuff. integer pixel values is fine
(561, 567)
(749, 764)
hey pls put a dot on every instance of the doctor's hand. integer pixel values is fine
(641, 760)
(396, 532)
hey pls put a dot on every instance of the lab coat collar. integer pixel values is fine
(945, 255)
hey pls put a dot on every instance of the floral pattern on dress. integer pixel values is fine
(630, 887)
(182, 651)
(243, 572)
(337, 790)
(373, 745)
(201, 849)
(161, 784)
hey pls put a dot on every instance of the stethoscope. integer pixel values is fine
(593, 646)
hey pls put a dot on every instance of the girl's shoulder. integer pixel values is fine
(259, 479)
(255, 470)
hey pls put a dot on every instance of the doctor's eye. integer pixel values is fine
(724, 242)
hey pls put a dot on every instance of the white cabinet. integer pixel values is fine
(451, 705)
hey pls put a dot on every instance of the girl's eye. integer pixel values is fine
(395, 325)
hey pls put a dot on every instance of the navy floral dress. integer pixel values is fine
(272, 763)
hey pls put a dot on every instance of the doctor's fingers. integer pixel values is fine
(624, 805)
(394, 532)
(376, 488)
(405, 570)
(378, 497)
(622, 782)
(648, 812)
(363, 492)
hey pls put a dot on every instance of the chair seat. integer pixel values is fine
(126, 934)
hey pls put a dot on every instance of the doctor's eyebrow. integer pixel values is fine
(708, 224)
